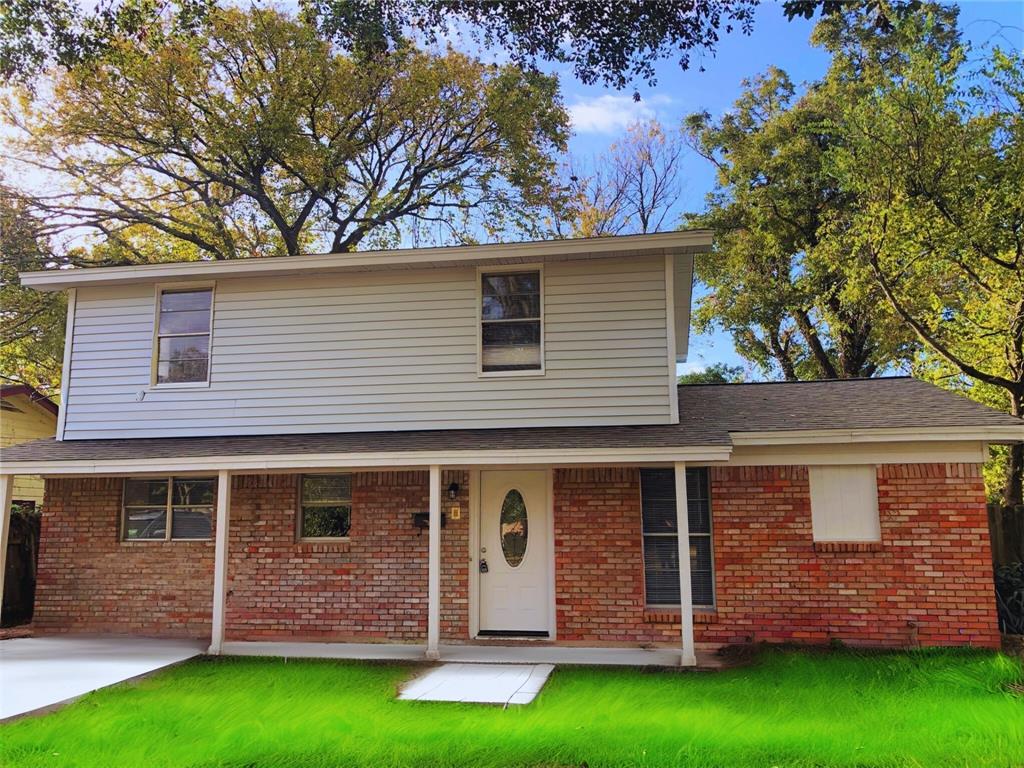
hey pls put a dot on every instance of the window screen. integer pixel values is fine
(183, 336)
(510, 332)
(326, 506)
(660, 534)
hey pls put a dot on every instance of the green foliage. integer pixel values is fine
(605, 41)
(719, 373)
(31, 323)
(935, 158)
(793, 710)
(874, 220)
(1010, 597)
(257, 138)
(788, 308)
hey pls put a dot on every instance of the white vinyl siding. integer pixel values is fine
(844, 503)
(376, 351)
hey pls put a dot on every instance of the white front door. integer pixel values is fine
(514, 557)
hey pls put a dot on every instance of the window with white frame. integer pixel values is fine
(183, 336)
(510, 321)
(844, 503)
(168, 508)
(661, 536)
(325, 508)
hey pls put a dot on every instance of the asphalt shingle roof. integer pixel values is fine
(708, 414)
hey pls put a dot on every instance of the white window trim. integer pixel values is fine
(713, 605)
(169, 510)
(159, 290)
(498, 269)
(299, 512)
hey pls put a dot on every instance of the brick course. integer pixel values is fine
(929, 582)
(90, 581)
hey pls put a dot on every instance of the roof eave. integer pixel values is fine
(366, 460)
(626, 246)
(988, 434)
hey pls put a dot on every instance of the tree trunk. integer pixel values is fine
(1013, 492)
(810, 334)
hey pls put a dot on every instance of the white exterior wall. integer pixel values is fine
(366, 351)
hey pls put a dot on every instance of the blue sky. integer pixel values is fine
(600, 114)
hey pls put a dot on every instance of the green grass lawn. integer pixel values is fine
(789, 709)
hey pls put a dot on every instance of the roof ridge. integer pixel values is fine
(799, 381)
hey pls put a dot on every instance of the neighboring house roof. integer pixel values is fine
(9, 391)
(618, 247)
(711, 416)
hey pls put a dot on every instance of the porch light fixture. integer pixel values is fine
(453, 491)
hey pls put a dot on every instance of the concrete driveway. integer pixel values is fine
(40, 672)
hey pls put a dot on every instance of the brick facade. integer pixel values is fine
(928, 582)
(90, 581)
(370, 588)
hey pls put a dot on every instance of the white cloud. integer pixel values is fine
(611, 113)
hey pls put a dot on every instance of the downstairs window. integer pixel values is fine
(168, 508)
(325, 507)
(661, 537)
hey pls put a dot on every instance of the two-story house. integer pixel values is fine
(448, 446)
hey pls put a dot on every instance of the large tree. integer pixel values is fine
(257, 137)
(614, 42)
(788, 309)
(935, 159)
(609, 41)
(31, 323)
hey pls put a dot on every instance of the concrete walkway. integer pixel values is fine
(40, 672)
(479, 683)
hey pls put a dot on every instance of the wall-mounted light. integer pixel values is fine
(453, 491)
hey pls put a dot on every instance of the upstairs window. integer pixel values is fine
(168, 508)
(510, 322)
(661, 536)
(183, 336)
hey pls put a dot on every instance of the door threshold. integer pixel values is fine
(514, 634)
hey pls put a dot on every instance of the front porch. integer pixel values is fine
(405, 584)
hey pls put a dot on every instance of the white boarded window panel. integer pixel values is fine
(844, 503)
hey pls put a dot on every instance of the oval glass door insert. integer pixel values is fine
(514, 528)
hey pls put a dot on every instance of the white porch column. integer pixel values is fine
(6, 499)
(689, 658)
(434, 566)
(220, 559)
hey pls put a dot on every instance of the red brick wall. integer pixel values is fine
(599, 587)
(370, 588)
(929, 582)
(90, 581)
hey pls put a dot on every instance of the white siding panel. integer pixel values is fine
(368, 351)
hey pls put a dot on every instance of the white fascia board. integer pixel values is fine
(286, 462)
(367, 261)
(993, 434)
